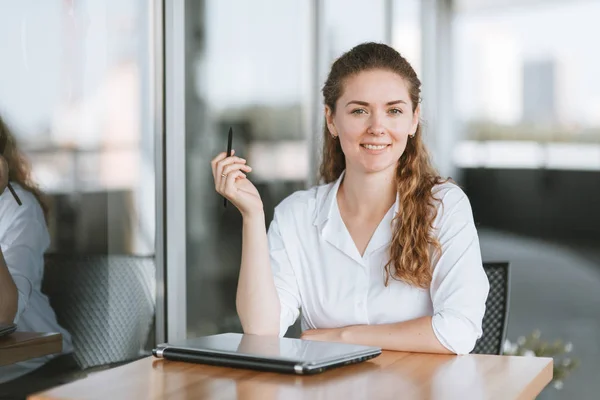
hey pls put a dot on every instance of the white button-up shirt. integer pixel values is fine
(24, 238)
(317, 268)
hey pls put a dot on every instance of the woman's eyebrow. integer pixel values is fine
(391, 103)
(364, 103)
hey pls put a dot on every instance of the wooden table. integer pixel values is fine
(21, 346)
(392, 375)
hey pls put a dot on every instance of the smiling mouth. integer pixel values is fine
(374, 147)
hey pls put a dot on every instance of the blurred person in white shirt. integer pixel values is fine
(385, 252)
(23, 240)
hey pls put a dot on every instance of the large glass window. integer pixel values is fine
(75, 87)
(526, 77)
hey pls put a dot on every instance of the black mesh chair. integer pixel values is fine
(106, 302)
(495, 319)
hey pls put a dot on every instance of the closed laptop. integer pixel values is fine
(266, 353)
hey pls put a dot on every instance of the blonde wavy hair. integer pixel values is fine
(413, 237)
(19, 169)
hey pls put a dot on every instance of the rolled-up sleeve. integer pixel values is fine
(459, 287)
(284, 277)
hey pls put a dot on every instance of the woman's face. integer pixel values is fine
(373, 120)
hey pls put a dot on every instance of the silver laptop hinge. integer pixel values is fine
(159, 352)
(298, 369)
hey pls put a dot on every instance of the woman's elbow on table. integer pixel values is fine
(456, 332)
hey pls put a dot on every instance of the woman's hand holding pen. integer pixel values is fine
(231, 183)
(3, 174)
(256, 300)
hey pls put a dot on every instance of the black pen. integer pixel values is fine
(229, 142)
(18, 200)
(10, 188)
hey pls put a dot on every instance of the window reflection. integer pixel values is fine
(72, 81)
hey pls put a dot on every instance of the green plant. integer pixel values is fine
(534, 346)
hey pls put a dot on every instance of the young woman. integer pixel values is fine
(385, 253)
(23, 240)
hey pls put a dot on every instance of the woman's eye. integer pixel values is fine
(359, 111)
(396, 111)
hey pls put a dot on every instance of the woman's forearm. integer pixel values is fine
(8, 294)
(414, 336)
(257, 301)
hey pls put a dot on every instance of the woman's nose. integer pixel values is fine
(376, 126)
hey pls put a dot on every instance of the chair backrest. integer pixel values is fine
(495, 319)
(106, 302)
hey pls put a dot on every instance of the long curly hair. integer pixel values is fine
(413, 237)
(19, 169)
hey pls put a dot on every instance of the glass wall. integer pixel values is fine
(255, 67)
(75, 87)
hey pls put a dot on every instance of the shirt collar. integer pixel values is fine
(328, 212)
(328, 205)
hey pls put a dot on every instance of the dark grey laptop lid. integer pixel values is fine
(273, 348)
